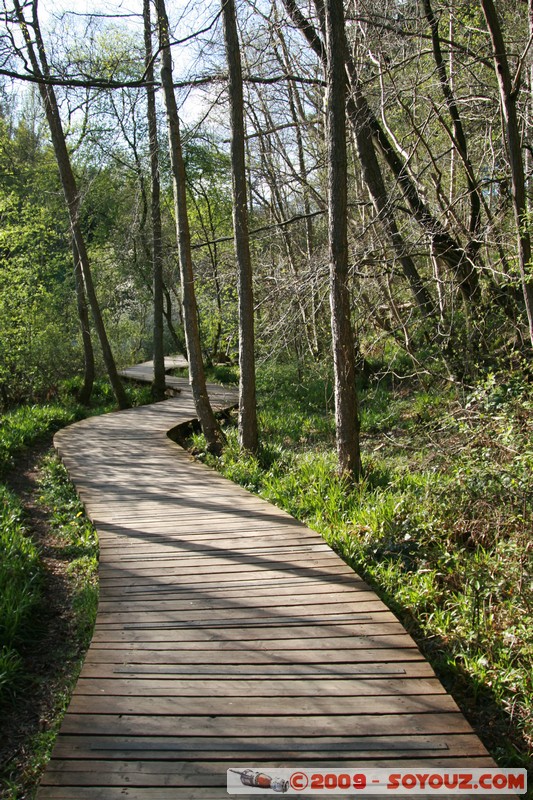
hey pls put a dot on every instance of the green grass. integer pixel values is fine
(75, 543)
(22, 573)
(440, 523)
(20, 584)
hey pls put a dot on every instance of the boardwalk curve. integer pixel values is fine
(228, 634)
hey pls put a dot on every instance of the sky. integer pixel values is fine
(186, 17)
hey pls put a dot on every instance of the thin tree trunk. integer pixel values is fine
(375, 184)
(209, 232)
(167, 311)
(458, 130)
(248, 432)
(346, 401)
(70, 191)
(83, 316)
(508, 99)
(158, 385)
(204, 411)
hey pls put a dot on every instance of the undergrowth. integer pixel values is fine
(71, 540)
(440, 524)
(20, 587)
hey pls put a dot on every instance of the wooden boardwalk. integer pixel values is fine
(228, 634)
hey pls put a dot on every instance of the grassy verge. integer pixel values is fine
(48, 590)
(60, 627)
(440, 524)
(20, 587)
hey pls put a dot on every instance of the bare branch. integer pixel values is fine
(262, 229)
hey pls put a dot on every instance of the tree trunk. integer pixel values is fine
(70, 191)
(83, 316)
(204, 411)
(460, 140)
(346, 401)
(508, 99)
(167, 311)
(158, 385)
(375, 184)
(248, 433)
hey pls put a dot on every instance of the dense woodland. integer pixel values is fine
(431, 244)
(341, 192)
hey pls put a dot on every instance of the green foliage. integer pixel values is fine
(21, 572)
(38, 340)
(25, 425)
(78, 543)
(223, 373)
(20, 576)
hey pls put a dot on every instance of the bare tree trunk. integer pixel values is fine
(346, 401)
(248, 433)
(209, 232)
(375, 184)
(69, 189)
(204, 411)
(509, 91)
(83, 316)
(158, 385)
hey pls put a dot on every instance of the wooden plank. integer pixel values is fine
(245, 656)
(305, 592)
(226, 726)
(300, 748)
(320, 564)
(222, 609)
(342, 621)
(226, 689)
(328, 644)
(265, 583)
(152, 773)
(177, 550)
(201, 634)
(201, 706)
(201, 672)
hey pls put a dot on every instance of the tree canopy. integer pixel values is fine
(437, 110)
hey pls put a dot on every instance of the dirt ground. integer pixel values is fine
(27, 723)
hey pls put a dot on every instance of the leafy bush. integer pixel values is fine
(25, 425)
